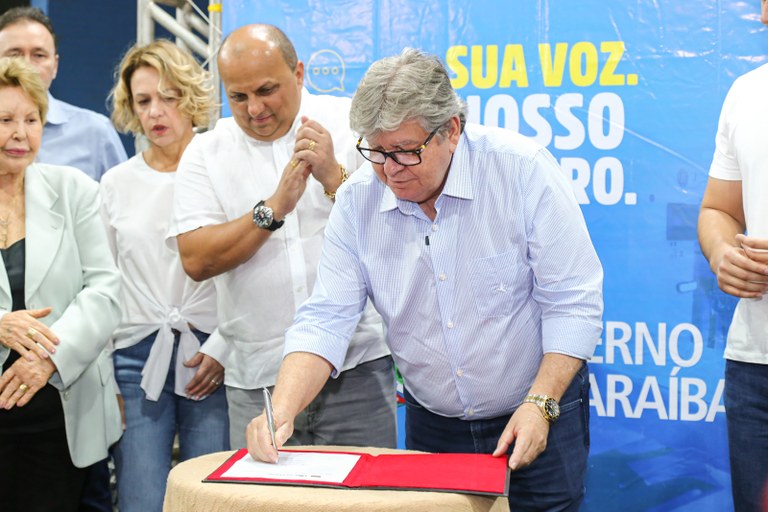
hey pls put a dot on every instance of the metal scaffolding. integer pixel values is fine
(194, 30)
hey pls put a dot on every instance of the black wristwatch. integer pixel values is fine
(263, 217)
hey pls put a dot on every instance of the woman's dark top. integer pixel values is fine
(44, 411)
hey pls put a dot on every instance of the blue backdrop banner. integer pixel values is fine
(626, 95)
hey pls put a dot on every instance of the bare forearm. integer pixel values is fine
(555, 375)
(717, 233)
(302, 376)
(721, 218)
(212, 250)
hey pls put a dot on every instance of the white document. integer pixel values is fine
(314, 466)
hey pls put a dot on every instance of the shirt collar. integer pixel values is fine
(458, 184)
(56, 113)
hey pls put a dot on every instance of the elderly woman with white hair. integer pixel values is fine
(58, 306)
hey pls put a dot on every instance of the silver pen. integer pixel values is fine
(270, 418)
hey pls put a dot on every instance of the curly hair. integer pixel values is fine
(177, 69)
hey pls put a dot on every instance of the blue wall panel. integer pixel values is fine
(626, 94)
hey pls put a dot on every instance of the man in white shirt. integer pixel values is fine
(734, 204)
(285, 151)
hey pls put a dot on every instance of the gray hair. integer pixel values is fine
(411, 86)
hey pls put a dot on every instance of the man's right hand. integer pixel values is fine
(742, 270)
(211, 250)
(259, 440)
(291, 187)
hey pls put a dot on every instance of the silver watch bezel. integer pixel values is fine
(263, 216)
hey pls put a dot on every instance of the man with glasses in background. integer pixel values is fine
(252, 200)
(473, 248)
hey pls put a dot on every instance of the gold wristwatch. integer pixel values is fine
(548, 406)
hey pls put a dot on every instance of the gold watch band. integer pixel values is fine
(548, 406)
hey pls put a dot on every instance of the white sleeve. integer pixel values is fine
(216, 347)
(725, 163)
(195, 203)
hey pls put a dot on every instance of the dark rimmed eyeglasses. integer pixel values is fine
(402, 157)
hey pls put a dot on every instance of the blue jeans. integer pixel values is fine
(746, 413)
(553, 482)
(143, 455)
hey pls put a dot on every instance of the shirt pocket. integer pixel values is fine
(497, 282)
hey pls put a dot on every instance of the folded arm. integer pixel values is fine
(721, 219)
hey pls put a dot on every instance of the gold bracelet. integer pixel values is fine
(344, 177)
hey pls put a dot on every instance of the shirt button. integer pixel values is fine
(470, 412)
(460, 372)
(450, 325)
(65, 395)
(442, 277)
(434, 227)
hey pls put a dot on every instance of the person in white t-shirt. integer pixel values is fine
(252, 200)
(170, 384)
(734, 204)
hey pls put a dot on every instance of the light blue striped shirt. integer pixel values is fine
(80, 138)
(472, 301)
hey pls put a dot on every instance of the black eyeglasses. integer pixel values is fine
(402, 157)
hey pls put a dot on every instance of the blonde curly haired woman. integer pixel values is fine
(167, 367)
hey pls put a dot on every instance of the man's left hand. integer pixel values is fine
(528, 430)
(315, 146)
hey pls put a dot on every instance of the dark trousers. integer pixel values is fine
(746, 413)
(37, 474)
(96, 496)
(555, 481)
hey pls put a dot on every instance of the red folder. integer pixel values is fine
(467, 473)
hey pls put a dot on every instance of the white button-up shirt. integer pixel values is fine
(221, 176)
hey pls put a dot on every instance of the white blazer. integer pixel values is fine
(69, 267)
